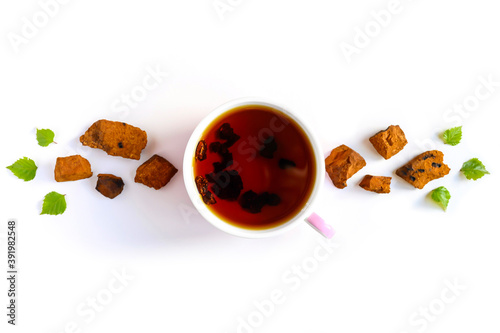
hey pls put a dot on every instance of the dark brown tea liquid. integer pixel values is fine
(272, 156)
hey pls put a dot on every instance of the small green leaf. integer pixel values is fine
(44, 137)
(442, 196)
(453, 136)
(24, 168)
(474, 169)
(53, 204)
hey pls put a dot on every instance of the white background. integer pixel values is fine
(392, 253)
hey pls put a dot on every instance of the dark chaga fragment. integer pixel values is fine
(201, 151)
(225, 132)
(109, 185)
(227, 158)
(285, 164)
(210, 177)
(215, 146)
(209, 198)
(253, 202)
(269, 148)
(201, 185)
(273, 199)
(218, 166)
(227, 184)
(231, 141)
(206, 195)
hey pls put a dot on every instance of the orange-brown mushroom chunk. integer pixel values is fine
(72, 167)
(389, 142)
(155, 172)
(342, 164)
(424, 168)
(116, 138)
(377, 184)
(109, 185)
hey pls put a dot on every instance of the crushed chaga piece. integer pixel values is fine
(201, 151)
(116, 138)
(377, 184)
(223, 151)
(109, 185)
(202, 186)
(424, 168)
(253, 202)
(209, 198)
(283, 163)
(218, 166)
(268, 148)
(226, 132)
(227, 158)
(342, 164)
(272, 199)
(70, 168)
(155, 172)
(227, 184)
(389, 142)
(211, 177)
(215, 146)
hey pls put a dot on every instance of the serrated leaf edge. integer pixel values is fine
(440, 203)
(43, 204)
(11, 167)
(446, 140)
(45, 129)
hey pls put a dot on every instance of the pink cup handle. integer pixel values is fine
(320, 225)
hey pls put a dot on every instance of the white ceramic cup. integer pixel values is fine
(305, 214)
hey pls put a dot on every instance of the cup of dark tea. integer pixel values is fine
(253, 169)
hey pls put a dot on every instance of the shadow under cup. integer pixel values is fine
(253, 168)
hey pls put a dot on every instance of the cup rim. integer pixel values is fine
(195, 197)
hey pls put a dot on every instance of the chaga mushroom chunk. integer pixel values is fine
(283, 163)
(424, 168)
(253, 202)
(227, 184)
(226, 132)
(342, 164)
(377, 184)
(269, 147)
(116, 138)
(215, 146)
(109, 185)
(389, 142)
(70, 168)
(202, 186)
(201, 151)
(155, 172)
